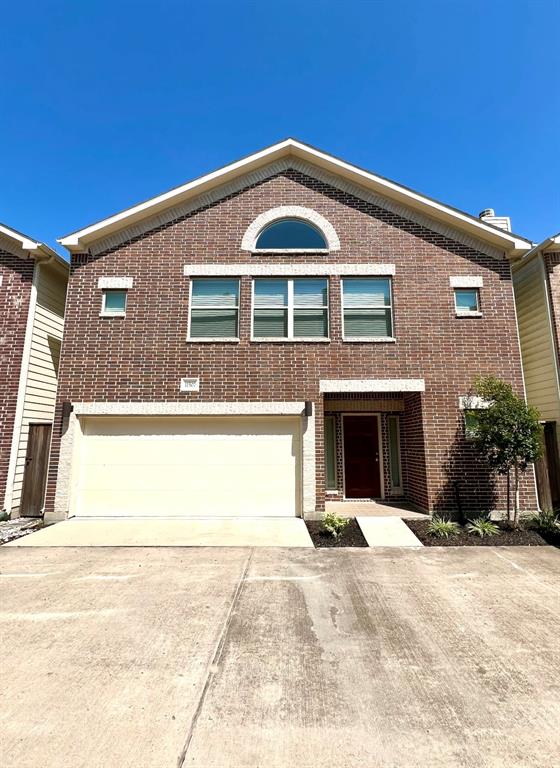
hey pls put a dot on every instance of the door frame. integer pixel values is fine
(380, 443)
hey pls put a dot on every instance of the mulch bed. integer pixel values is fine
(352, 535)
(506, 538)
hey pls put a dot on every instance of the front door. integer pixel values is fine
(361, 457)
(35, 474)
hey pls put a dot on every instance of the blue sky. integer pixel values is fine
(105, 103)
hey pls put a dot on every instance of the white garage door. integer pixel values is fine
(199, 466)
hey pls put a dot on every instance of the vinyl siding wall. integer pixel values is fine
(40, 391)
(537, 341)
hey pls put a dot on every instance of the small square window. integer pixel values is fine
(467, 301)
(114, 302)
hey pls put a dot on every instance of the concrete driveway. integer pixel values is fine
(149, 658)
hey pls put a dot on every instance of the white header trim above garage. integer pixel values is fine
(291, 408)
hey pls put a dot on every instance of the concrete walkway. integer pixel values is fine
(171, 532)
(387, 532)
(373, 509)
(236, 658)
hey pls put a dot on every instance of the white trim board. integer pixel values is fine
(372, 385)
(287, 270)
(180, 408)
(465, 281)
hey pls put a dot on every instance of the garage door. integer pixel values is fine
(199, 466)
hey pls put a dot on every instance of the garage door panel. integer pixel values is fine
(189, 466)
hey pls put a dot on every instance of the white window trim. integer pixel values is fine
(115, 282)
(372, 385)
(465, 281)
(212, 339)
(290, 307)
(309, 269)
(467, 312)
(112, 312)
(367, 339)
(315, 219)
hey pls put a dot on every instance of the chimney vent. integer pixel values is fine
(489, 216)
(486, 213)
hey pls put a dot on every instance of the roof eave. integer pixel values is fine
(512, 245)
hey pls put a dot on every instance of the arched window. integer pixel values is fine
(290, 234)
(290, 229)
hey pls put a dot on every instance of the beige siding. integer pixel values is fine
(537, 344)
(40, 390)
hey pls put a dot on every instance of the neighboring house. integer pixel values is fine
(286, 329)
(536, 280)
(33, 280)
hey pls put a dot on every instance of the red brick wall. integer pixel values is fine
(15, 292)
(552, 266)
(143, 356)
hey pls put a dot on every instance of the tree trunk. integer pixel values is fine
(516, 500)
(508, 497)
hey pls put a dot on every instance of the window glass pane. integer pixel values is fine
(310, 293)
(330, 453)
(367, 322)
(271, 293)
(310, 322)
(214, 323)
(367, 292)
(115, 301)
(471, 423)
(394, 451)
(466, 299)
(271, 323)
(215, 293)
(290, 233)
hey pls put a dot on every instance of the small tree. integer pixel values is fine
(507, 434)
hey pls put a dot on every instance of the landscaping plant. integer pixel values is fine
(507, 435)
(442, 528)
(334, 525)
(482, 526)
(546, 521)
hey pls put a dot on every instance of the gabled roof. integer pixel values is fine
(511, 244)
(546, 246)
(30, 248)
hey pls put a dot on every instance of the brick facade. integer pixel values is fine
(15, 292)
(552, 267)
(142, 357)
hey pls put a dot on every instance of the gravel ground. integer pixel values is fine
(15, 529)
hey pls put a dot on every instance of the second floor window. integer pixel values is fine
(290, 309)
(367, 308)
(214, 309)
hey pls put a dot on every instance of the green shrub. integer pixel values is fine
(4, 516)
(482, 527)
(442, 528)
(334, 525)
(545, 521)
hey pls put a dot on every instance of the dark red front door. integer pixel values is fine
(361, 457)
